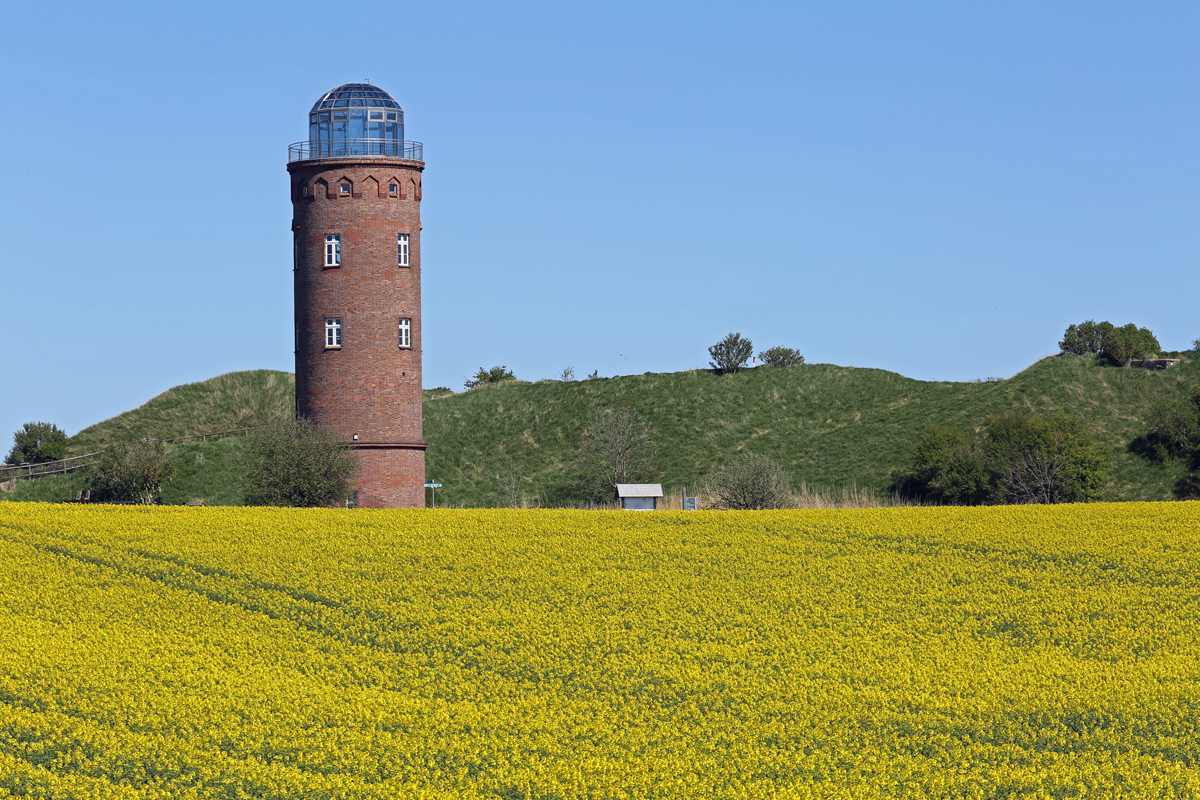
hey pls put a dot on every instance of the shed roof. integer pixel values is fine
(639, 490)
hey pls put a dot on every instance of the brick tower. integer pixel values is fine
(356, 221)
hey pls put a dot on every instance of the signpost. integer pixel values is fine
(434, 487)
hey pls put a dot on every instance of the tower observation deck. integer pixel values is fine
(355, 119)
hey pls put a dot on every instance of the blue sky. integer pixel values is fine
(937, 189)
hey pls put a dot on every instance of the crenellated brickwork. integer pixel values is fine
(369, 388)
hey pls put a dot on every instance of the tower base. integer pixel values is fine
(392, 475)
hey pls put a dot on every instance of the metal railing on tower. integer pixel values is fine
(342, 148)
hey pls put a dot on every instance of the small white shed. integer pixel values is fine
(639, 496)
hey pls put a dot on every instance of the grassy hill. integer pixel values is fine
(227, 402)
(833, 427)
(203, 469)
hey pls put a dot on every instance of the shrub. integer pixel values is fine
(131, 472)
(1051, 460)
(948, 467)
(1124, 344)
(1020, 459)
(748, 482)
(489, 376)
(296, 464)
(731, 353)
(615, 447)
(781, 357)
(1086, 337)
(38, 442)
(1118, 345)
(1188, 487)
(1175, 427)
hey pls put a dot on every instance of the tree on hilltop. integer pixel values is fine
(1118, 345)
(1123, 345)
(1086, 337)
(38, 442)
(489, 376)
(781, 357)
(731, 353)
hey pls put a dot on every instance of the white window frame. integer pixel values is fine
(402, 249)
(333, 249)
(333, 333)
(405, 332)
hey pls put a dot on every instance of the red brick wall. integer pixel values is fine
(371, 387)
(391, 478)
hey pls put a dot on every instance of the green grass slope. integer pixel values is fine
(204, 470)
(227, 402)
(833, 427)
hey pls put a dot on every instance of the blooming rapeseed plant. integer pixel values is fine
(1034, 651)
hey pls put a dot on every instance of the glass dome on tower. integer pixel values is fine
(355, 119)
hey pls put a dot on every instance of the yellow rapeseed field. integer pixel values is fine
(1038, 652)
